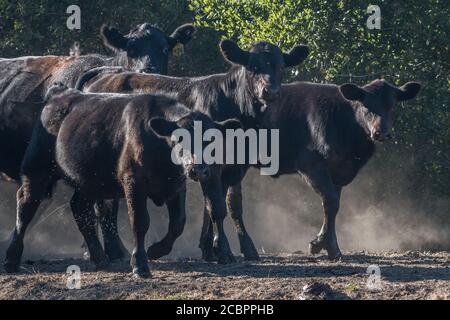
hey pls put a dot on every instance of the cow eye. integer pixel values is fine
(165, 50)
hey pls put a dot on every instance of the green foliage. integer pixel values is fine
(413, 44)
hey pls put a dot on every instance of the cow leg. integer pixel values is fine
(215, 205)
(234, 206)
(4, 242)
(40, 213)
(82, 209)
(140, 222)
(177, 221)
(106, 211)
(207, 237)
(321, 182)
(3, 246)
(29, 197)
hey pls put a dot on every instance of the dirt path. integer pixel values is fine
(408, 275)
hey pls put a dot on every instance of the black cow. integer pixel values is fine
(144, 49)
(243, 92)
(111, 146)
(25, 81)
(327, 134)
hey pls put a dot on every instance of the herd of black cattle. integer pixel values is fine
(103, 125)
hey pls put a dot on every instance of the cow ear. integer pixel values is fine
(232, 124)
(183, 34)
(352, 92)
(408, 91)
(113, 39)
(163, 127)
(296, 56)
(234, 54)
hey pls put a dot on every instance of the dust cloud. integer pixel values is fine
(380, 210)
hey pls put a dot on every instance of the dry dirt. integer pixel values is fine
(406, 275)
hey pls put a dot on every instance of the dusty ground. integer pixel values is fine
(408, 275)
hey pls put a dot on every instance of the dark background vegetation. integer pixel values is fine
(410, 176)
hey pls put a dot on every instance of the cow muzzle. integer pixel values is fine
(270, 93)
(199, 172)
(380, 136)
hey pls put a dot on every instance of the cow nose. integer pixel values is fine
(199, 173)
(270, 93)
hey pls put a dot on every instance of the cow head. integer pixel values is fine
(264, 65)
(146, 48)
(379, 98)
(166, 128)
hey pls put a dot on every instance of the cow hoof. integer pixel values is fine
(249, 251)
(141, 273)
(12, 267)
(116, 252)
(226, 259)
(254, 257)
(102, 266)
(316, 246)
(209, 256)
(336, 256)
(157, 251)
